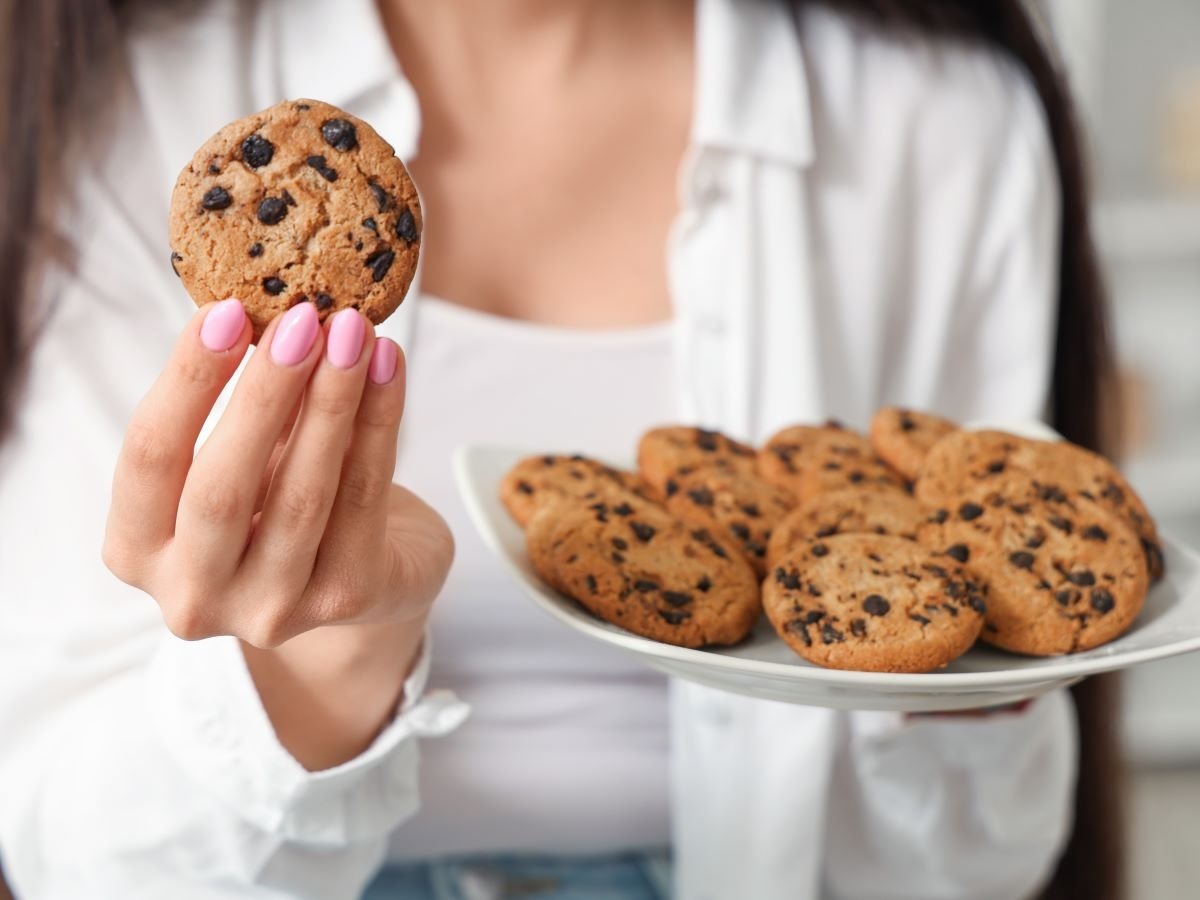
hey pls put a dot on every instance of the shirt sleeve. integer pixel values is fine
(968, 808)
(133, 764)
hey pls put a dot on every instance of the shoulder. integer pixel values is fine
(933, 102)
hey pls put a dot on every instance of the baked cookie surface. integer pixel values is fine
(814, 459)
(301, 201)
(638, 567)
(665, 452)
(874, 603)
(1065, 574)
(847, 511)
(903, 437)
(538, 481)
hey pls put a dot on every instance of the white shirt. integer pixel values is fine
(559, 724)
(863, 221)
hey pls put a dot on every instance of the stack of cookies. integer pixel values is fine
(890, 552)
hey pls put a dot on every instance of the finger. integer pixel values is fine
(281, 443)
(161, 436)
(306, 480)
(357, 524)
(217, 504)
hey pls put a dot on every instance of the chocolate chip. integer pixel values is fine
(379, 262)
(835, 424)
(704, 584)
(814, 590)
(1113, 493)
(937, 571)
(642, 531)
(1021, 560)
(976, 603)
(858, 627)
(790, 580)
(256, 250)
(797, 626)
(591, 583)
(1083, 578)
(1095, 533)
(406, 226)
(369, 223)
(970, 511)
(645, 585)
(1154, 555)
(960, 552)
(1052, 494)
(672, 488)
(274, 285)
(358, 245)
(702, 535)
(257, 151)
(950, 609)
(674, 616)
(318, 163)
(832, 467)
(1063, 598)
(1021, 509)
(740, 531)
(856, 477)
(1102, 601)
(827, 531)
(996, 467)
(875, 605)
(1035, 540)
(906, 424)
(216, 198)
(814, 616)
(917, 617)
(1063, 525)
(831, 635)
(620, 543)
(175, 257)
(214, 169)
(617, 558)
(875, 557)
(272, 210)
(339, 134)
(701, 496)
(819, 550)
(706, 440)
(524, 487)
(751, 510)
(382, 197)
(939, 517)
(677, 598)
(324, 301)
(287, 197)
(623, 509)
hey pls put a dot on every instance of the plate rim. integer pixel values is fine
(1068, 668)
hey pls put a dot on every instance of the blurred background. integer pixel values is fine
(1135, 68)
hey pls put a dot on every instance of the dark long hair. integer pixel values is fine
(51, 50)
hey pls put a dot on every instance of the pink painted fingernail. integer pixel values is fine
(295, 335)
(383, 361)
(222, 325)
(346, 333)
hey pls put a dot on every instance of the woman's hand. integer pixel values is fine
(286, 520)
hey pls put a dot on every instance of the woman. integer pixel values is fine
(877, 202)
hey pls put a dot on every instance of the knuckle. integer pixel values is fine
(363, 486)
(303, 504)
(333, 404)
(194, 372)
(187, 621)
(267, 632)
(119, 559)
(258, 393)
(215, 503)
(381, 413)
(146, 449)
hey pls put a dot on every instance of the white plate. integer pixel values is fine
(763, 666)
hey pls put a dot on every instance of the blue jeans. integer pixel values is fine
(627, 876)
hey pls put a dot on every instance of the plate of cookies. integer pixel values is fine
(921, 566)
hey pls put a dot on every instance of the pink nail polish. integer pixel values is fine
(222, 325)
(383, 362)
(346, 333)
(295, 335)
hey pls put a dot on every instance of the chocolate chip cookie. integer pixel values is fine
(742, 508)
(903, 437)
(814, 459)
(874, 603)
(665, 452)
(848, 511)
(636, 566)
(968, 463)
(1066, 574)
(538, 481)
(301, 201)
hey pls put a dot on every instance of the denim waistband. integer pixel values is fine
(641, 875)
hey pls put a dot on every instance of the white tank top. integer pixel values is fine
(566, 747)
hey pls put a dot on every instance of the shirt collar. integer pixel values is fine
(751, 87)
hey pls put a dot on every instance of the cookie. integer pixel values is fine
(301, 201)
(975, 463)
(848, 511)
(903, 437)
(636, 566)
(814, 459)
(665, 452)
(537, 481)
(741, 508)
(874, 603)
(1065, 574)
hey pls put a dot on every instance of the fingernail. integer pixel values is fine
(346, 333)
(383, 361)
(222, 325)
(295, 335)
